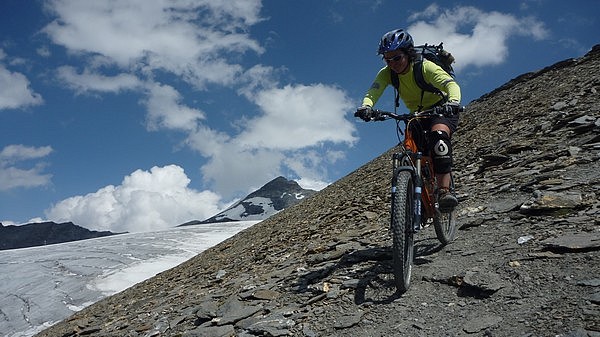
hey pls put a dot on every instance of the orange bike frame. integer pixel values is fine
(424, 171)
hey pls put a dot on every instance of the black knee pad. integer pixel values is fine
(441, 151)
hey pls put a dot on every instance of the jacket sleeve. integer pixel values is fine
(440, 79)
(382, 80)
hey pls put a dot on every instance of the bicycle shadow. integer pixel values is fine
(369, 272)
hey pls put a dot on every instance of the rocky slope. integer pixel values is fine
(526, 261)
(44, 233)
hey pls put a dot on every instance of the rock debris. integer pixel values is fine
(526, 261)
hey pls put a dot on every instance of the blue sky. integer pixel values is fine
(139, 115)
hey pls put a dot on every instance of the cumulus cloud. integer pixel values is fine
(298, 116)
(12, 173)
(159, 49)
(294, 121)
(140, 41)
(145, 201)
(185, 38)
(16, 92)
(475, 37)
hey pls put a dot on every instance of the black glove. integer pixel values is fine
(365, 113)
(448, 109)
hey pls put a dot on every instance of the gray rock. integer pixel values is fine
(212, 331)
(549, 201)
(559, 105)
(207, 310)
(270, 325)
(348, 321)
(589, 282)
(234, 310)
(594, 298)
(481, 323)
(574, 241)
(484, 283)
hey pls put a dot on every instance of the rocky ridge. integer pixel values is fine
(45, 233)
(526, 261)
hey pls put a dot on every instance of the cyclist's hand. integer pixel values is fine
(448, 109)
(365, 113)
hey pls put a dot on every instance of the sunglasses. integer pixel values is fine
(394, 59)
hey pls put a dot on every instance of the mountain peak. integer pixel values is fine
(278, 183)
(276, 188)
(276, 195)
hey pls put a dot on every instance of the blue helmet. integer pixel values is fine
(394, 40)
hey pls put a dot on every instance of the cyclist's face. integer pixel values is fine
(397, 60)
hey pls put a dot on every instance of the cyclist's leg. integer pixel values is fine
(440, 144)
(441, 152)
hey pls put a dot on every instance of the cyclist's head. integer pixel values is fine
(394, 40)
(397, 39)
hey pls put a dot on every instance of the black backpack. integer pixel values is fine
(436, 54)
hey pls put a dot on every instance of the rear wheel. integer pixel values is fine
(445, 223)
(402, 230)
(445, 226)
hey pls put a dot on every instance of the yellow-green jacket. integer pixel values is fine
(410, 93)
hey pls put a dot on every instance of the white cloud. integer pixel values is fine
(207, 141)
(43, 51)
(145, 201)
(234, 170)
(19, 152)
(91, 81)
(165, 110)
(161, 49)
(473, 36)
(257, 78)
(310, 184)
(294, 122)
(186, 38)
(16, 92)
(12, 176)
(299, 116)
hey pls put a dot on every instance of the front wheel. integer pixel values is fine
(402, 229)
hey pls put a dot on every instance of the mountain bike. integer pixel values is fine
(414, 193)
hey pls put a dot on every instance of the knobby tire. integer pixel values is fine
(444, 223)
(445, 226)
(402, 217)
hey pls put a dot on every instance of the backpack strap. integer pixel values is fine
(418, 73)
(396, 84)
(424, 85)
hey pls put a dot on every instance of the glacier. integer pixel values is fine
(40, 286)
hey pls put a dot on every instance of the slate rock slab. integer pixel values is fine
(574, 241)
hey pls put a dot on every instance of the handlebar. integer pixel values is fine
(380, 115)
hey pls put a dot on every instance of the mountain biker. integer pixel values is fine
(397, 50)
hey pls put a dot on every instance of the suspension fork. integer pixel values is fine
(415, 170)
(418, 183)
